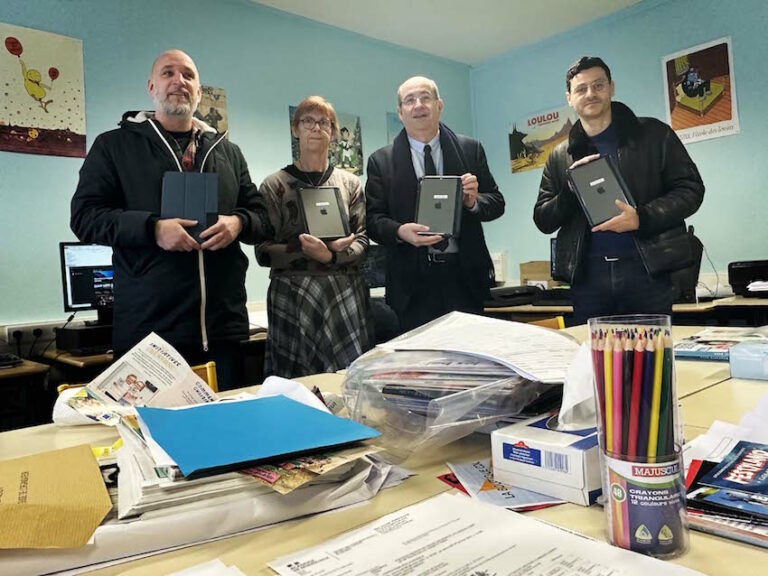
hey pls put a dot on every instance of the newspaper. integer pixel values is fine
(152, 373)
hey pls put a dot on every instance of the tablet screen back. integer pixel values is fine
(598, 185)
(324, 216)
(439, 202)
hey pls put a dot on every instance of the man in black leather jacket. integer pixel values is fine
(621, 266)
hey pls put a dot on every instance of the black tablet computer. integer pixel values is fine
(598, 184)
(439, 204)
(323, 213)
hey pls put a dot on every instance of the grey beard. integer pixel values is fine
(169, 109)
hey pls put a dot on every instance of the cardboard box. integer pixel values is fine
(537, 273)
(561, 464)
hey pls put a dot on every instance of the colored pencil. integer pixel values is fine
(626, 392)
(646, 397)
(607, 365)
(637, 387)
(600, 380)
(665, 443)
(653, 426)
(618, 374)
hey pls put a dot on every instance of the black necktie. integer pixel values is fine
(429, 164)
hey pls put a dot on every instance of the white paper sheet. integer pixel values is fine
(477, 479)
(452, 534)
(533, 352)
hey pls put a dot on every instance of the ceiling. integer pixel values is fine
(467, 31)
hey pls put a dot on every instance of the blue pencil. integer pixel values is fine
(646, 398)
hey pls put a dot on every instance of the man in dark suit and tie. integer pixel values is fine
(428, 276)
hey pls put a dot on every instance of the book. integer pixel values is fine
(715, 343)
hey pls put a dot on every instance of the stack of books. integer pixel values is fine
(730, 498)
(715, 343)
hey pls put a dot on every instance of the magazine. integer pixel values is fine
(715, 343)
(152, 373)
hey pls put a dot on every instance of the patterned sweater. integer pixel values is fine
(283, 253)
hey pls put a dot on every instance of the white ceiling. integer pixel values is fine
(467, 31)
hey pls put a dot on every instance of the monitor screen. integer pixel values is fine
(86, 273)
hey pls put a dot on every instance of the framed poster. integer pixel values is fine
(345, 152)
(42, 101)
(213, 108)
(533, 137)
(700, 91)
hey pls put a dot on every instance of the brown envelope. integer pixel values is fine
(55, 499)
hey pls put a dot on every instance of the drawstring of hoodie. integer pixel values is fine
(200, 257)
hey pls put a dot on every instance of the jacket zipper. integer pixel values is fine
(200, 259)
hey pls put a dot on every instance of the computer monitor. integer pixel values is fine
(87, 279)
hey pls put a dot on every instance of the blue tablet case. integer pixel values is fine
(191, 195)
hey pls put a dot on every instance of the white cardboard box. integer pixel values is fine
(561, 464)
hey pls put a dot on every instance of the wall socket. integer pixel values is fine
(26, 332)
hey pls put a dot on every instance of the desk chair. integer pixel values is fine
(207, 372)
(556, 323)
(61, 387)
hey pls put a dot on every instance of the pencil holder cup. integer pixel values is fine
(639, 433)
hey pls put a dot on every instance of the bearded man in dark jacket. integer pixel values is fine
(623, 265)
(191, 294)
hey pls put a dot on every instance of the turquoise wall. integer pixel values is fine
(732, 221)
(264, 59)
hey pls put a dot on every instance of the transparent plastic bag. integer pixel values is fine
(420, 400)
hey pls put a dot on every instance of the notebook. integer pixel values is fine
(438, 205)
(323, 213)
(598, 184)
(191, 195)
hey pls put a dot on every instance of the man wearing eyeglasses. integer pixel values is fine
(428, 276)
(623, 265)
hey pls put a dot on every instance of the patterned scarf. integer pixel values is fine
(188, 157)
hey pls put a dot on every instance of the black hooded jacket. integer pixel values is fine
(117, 203)
(661, 177)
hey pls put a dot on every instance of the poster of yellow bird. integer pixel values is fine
(42, 98)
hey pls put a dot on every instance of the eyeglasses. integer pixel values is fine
(309, 123)
(411, 100)
(597, 87)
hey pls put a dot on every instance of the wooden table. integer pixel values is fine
(251, 552)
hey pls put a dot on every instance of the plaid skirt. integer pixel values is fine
(317, 324)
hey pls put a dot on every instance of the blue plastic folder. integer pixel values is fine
(211, 438)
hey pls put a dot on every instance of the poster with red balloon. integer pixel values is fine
(42, 95)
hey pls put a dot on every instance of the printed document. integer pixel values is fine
(533, 352)
(453, 534)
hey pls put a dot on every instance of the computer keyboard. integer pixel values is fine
(554, 297)
(8, 360)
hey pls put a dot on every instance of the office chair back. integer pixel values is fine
(207, 372)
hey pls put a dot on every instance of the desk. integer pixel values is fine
(727, 401)
(251, 552)
(20, 390)
(736, 310)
